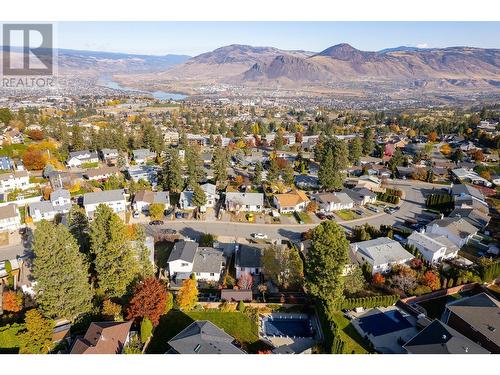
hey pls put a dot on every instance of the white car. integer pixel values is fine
(259, 236)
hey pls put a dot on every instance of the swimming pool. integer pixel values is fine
(383, 323)
(287, 326)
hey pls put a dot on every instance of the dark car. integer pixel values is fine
(156, 222)
(185, 215)
(169, 231)
(178, 215)
(359, 212)
(321, 216)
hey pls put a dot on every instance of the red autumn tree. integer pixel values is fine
(431, 279)
(149, 300)
(378, 279)
(35, 134)
(245, 281)
(12, 301)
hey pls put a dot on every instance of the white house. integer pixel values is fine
(187, 258)
(143, 172)
(458, 230)
(110, 155)
(248, 202)
(468, 175)
(115, 199)
(210, 191)
(248, 259)
(19, 180)
(10, 220)
(59, 203)
(433, 247)
(143, 155)
(77, 158)
(329, 202)
(144, 198)
(98, 174)
(380, 253)
(295, 200)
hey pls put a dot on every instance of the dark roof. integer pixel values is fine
(204, 337)
(463, 189)
(183, 250)
(481, 312)
(438, 338)
(249, 256)
(477, 218)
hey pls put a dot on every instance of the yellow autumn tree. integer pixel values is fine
(188, 295)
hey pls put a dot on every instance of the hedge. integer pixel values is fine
(385, 197)
(333, 341)
(489, 272)
(365, 302)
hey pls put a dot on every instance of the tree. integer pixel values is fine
(199, 196)
(37, 338)
(169, 303)
(78, 225)
(12, 301)
(333, 164)
(148, 301)
(378, 279)
(187, 297)
(170, 177)
(257, 179)
(5, 116)
(245, 281)
(431, 280)
(194, 166)
(220, 164)
(282, 265)
(111, 310)
(146, 268)
(274, 172)
(77, 138)
(368, 141)
(326, 175)
(311, 207)
(354, 281)
(63, 288)
(156, 210)
(263, 290)
(34, 159)
(355, 150)
(326, 260)
(114, 263)
(432, 136)
(287, 174)
(279, 140)
(146, 329)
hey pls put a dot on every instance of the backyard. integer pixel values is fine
(9, 342)
(354, 343)
(435, 307)
(236, 324)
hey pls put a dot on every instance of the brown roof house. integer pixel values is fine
(295, 200)
(103, 338)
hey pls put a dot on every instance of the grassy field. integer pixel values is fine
(354, 343)
(236, 324)
(9, 342)
(346, 214)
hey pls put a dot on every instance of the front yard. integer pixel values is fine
(346, 215)
(236, 324)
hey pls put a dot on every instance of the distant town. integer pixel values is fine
(132, 225)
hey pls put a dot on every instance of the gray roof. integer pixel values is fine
(43, 206)
(8, 211)
(142, 153)
(475, 217)
(208, 259)
(82, 154)
(60, 193)
(439, 338)
(463, 189)
(103, 196)
(460, 227)
(251, 199)
(482, 312)
(333, 197)
(183, 250)
(152, 197)
(382, 250)
(358, 195)
(249, 256)
(204, 337)
(433, 242)
(209, 188)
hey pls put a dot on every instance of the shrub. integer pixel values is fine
(421, 289)
(146, 330)
(241, 306)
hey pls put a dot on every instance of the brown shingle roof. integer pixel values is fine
(103, 338)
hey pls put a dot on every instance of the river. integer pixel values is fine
(160, 95)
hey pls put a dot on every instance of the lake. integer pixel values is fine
(160, 95)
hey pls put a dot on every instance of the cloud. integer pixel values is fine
(423, 45)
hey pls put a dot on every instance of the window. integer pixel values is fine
(197, 274)
(212, 274)
(184, 264)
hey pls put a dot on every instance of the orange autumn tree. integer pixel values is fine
(35, 159)
(378, 279)
(188, 295)
(149, 301)
(12, 301)
(431, 280)
(432, 136)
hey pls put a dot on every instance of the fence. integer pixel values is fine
(441, 293)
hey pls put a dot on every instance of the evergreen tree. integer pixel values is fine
(279, 140)
(368, 141)
(257, 179)
(146, 268)
(62, 279)
(194, 166)
(274, 172)
(78, 225)
(114, 263)
(356, 150)
(287, 174)
(77, 139)
(326, 172)
(199, 196)
(220, 163)
(170, 177)
(326, 260)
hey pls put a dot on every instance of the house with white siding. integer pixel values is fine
(59, 203)
(115, 199)
(434, 247)
(10, 220)
(18, 180)
(329, 202)
(244, 202)
(458, 230)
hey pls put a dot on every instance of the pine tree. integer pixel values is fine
(368, 142)
(257, 179)
(170, 177)
(326, 260)
(114, 263)
(220, 163)
(274, 172)
(62, 279)
(355, 151)
(146, 268)
(199, 196)
(287, 174)
(78, 225)
(326, 172)
(194, 165)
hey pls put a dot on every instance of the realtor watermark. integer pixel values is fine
(28, 56)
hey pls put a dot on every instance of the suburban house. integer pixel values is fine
(6, 163)
(361, 196)
(143, 198)
(248, 259)
(380, 253)
(477, 318)
(59, 203)
(249, 202)
(475, 217)
(433, 247)
(456, 229)
(187, 258)
(186, 200)
(468, 175)
(64, 180)
(295, 200)
(109, 156)
(142, 172)
(18, 180)
(203, 337)
(329, 202)
(114, 199)
(439, 338)
(143, 155)
(466, 196)
(210, 191)
(103, 338)
(371, 183)
(10, 220)
(77, 158)
(98, 174)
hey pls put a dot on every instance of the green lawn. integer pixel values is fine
(13, 151)
(304, 217)
(9, 342)
(354, 343)
(347, 214)
(90, 165)
(236, 324)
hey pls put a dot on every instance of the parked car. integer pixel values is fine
(156, 222)
(169, 231)
(178, 215)
(321, 216)
(389, 210)
(359, 212)
(185, 215)
(373, 209)
(259, 236)
(135, 214)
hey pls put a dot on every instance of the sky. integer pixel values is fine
(193, 38)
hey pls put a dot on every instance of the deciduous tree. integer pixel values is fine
(187, 297)
(12, 301)
(149, 300)
(245, 281)
(37, 338)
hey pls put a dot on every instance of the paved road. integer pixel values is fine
(411, 207)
